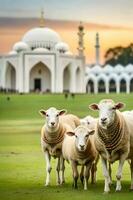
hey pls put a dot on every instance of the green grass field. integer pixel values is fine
(22, 166)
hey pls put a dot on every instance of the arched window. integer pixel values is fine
(66, 79)
(90, 86)
(10, 77)
(101, 86)
(112, 85)
(123, 85)
(78, 80)
(131, 85)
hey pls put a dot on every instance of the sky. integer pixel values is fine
(112, 19)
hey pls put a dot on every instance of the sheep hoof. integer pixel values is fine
(62, 182)
(93, 182)
(74, 186)
(117, 191)
(106, 192)
(46, 184)
(85, 188)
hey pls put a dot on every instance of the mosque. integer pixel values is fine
(42, 62)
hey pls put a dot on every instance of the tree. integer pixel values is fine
(119, 55)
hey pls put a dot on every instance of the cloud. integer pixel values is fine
(58, 24)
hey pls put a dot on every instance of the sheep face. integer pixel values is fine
(81, 134)
(107, 110)
(89, 121)
(52, 116)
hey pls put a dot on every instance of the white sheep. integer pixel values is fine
(52, 135)
(129, 120)
(80, 150)
(89, 121)
(112, 138)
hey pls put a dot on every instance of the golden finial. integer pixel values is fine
(42, 18)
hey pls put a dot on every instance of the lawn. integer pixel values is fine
(22, 166)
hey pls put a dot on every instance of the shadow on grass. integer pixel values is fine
(37, 191)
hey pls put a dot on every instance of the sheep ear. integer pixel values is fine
(42, 112)
(119, 105)
(94, 106)
(70, 133)
(62, 112)
(92, 132)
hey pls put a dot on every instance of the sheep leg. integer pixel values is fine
(48, 167)
(93, 173)
(106, 175)
(131, 167)
(94, 170)
(58, 171)
(82, 174)
(62, 168)
(87, 175)
(119, 172)
(75, 174)
(110, 174)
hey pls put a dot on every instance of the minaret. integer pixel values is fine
(97, 47)
(81, 39)
(42, 19)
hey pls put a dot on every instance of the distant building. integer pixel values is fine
(42, 62)
(109, 79)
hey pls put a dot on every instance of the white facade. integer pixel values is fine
(109, 79)
(42, 62)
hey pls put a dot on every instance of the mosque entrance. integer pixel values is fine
(40, 78)
(37, 84)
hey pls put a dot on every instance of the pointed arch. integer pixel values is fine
(90, 86)
(66, 78)
(101, 86)
(10, 77)
(112, 85)
(40, 78)
(78, 79)
(123, 85)
(131, 84)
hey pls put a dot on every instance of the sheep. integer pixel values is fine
(71, 120)
(78, 149)
(112, 138)
(129, 120)
(89, 121)
(52, 135)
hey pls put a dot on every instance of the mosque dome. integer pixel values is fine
(41, 37)
(41, 50)
(68, 53)
(20, 46)
(62, 47)
(13, 53)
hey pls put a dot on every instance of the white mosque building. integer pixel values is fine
(41, 61)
